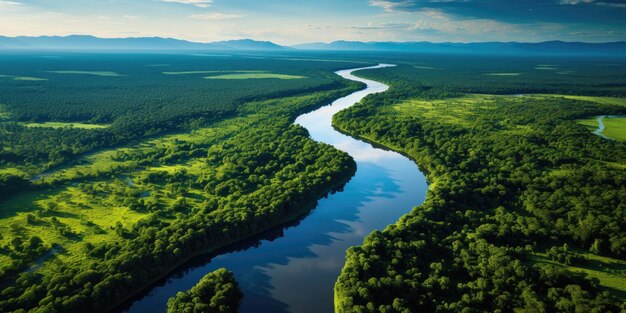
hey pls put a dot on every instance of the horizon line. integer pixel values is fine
(311, 42)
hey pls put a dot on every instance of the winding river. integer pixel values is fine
(294, 268)
(600, 126)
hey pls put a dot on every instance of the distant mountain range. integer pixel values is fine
(85, 42)
(547, 47)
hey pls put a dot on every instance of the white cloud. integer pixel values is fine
(612, 5)
(216, 16)
(383, 25)
(598, 3)
(386, 5)
(198, 3)
(436, 20)
(9, 3)
(392, 5)
(131, 17)
(575, 2)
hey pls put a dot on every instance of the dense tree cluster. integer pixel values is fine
(139, 102)
(492, 74)
(519, 177)
(11, 184)
(216, 292)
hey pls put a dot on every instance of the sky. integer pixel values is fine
(290, 22)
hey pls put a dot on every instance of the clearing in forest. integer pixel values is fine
(94, 73)
(211, 72)
(503, 74)
(254, 76)
(614, 126)
(65, 124)
(23, 78)
(610, 272)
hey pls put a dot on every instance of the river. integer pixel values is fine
(600, 126)
(294, 268)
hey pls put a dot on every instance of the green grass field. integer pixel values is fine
(615, 128)
(12, 171)
(91, 216)
(238, 74)
(75, 217)
(590, 123)
(106, 161)
(605, 100)
(90, 210)
(94, 73)
(255, 76)
(463, 110)
(458, 111)
(503, 74)
(63, 125)
(23, 78)
(210, 72)
(424, 67)
(611, 273)
(26, 78)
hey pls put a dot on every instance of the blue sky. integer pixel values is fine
(299, 21)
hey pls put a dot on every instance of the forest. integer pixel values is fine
(116, 169)
(86, 234)
(136, 96)
(215, 292)
(523, 198)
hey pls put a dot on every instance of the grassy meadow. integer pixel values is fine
(615, 128)
(255, 76)
(94, 73)
(610, 272)
(65, 124)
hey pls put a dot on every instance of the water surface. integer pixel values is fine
(294, 268)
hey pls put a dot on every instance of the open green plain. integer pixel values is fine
(610, 272)
(23, 78)
(254, 76)
(65, 124)
(93, 73)
(209, 72)
(615, 128)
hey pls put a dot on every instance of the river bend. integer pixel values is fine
(294, 268)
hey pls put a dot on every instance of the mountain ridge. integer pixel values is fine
(510, 47)
(89, 42)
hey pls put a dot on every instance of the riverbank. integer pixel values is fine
(298, 213)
